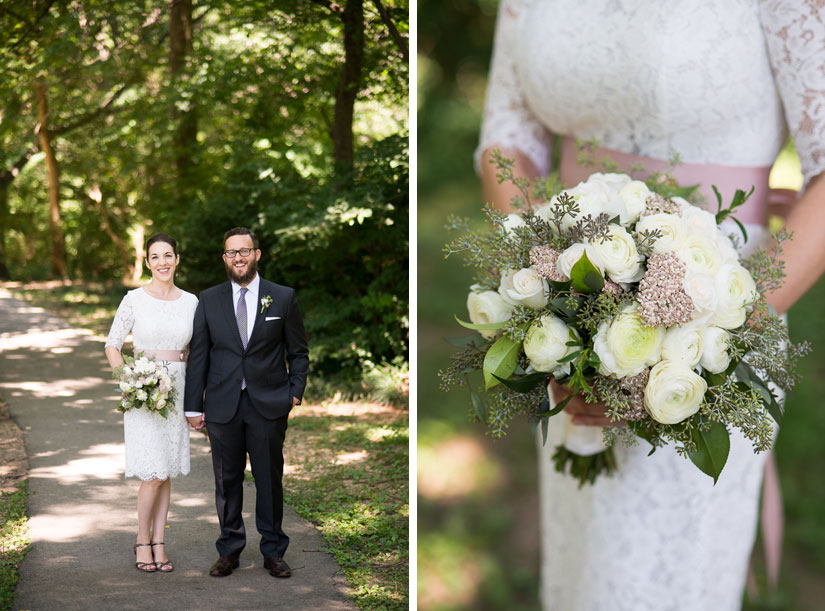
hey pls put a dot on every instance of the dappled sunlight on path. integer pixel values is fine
(83, 511)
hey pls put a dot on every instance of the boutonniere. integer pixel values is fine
(266, 301)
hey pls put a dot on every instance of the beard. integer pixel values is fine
(242, 279)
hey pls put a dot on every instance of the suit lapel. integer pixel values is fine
(263, 290)
(228, 306)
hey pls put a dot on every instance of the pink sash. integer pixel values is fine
(172, 356)
(726, 178)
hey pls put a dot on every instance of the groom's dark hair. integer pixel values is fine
(241, 231)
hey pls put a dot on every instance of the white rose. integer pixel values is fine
(634, 197)
(524, 287)
(512, 221)
(736, 291)
(141, 395)
(127, 370)
(683, 345)
(571, 256)
(545, 211)
(488, 307)
(701, 289)
(619, 256)
(626, 346)
(701, 253)
(125, 386)
(715, 356)
(673, 393)
(699, 221)
(545, 344)
(671, 227)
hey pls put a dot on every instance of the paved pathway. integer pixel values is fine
(83, 511)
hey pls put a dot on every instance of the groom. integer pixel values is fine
(246, 331)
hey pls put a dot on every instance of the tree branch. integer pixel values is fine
(396, 36)
(8, 175)
(91, 116)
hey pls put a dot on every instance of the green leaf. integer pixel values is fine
(500, 361)
(544, 422)
(526, 383)
(559, 306)
(712, 449)
(570, 356)
(594, 281)
(580, 272)
(560, 405)
(741, 228)
(490, 326)
(559, 286)
(466, 341)
(479, 405)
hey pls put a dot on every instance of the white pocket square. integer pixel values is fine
(268, 318)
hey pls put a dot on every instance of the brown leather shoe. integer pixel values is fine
(224, 565)
(277, 567)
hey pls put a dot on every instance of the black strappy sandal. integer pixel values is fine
(145, 567)
(163, 567)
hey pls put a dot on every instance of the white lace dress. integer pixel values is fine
(719, 83)
(156, 448)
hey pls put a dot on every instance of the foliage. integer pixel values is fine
(14, 541)
(360, 505)
(260, 84)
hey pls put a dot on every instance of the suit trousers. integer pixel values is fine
(263, 439)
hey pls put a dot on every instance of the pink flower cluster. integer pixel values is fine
(543, 259)
(662, 298)
(634, 388)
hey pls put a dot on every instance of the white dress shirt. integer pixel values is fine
(251, 300)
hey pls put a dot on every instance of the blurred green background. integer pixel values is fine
(478, 506)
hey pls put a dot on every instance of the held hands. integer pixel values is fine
(196, 422)
(589, 414)
(295, 401)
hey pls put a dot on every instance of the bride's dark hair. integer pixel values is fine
(162, 237)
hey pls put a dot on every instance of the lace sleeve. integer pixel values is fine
(508, 122)
(795, 36)
(122, 324)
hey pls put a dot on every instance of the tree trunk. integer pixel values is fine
(58, 258)
(4, 215)
(180, 46)
(348, 87)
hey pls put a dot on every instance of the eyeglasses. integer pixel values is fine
(244, 252)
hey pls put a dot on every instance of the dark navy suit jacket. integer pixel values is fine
(275, 362)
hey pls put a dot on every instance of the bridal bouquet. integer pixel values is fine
(628, 294)
(145, 384)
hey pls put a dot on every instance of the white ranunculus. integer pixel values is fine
(545, 344)
(125, 386)
(634, 197)
(701, 289)
(683, 345)
(571, 256)
(715, 355)
(700, 252)
(488, 307)
(736, 290)
(599, 194)
(512, 221)
(681, 202)
(141, 395)
(699, 221)
(671, 227)
(673, 393)
(524, 287)
(611, 181)
(626, 346)
(726, 248)
(621, 260)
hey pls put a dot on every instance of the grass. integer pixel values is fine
(14, 541)
(353, 486)
(350, 474)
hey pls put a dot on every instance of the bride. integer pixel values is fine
(159, 316)
(721, 84)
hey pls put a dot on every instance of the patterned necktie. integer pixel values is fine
(241, 316)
